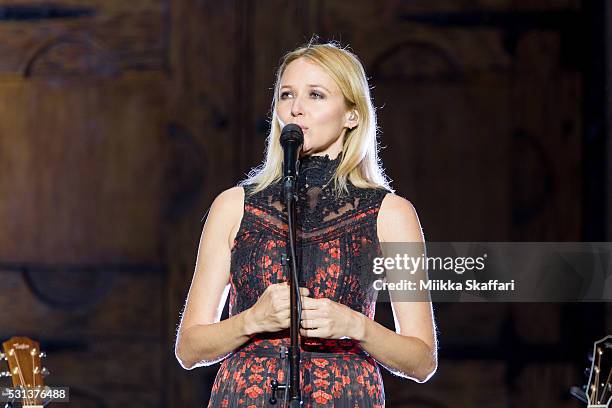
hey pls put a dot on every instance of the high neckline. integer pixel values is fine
(323, 159)
(318, 170)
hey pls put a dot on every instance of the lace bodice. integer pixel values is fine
(336, 241)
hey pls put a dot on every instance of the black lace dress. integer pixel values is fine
(336, 240)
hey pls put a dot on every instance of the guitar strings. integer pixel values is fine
(27, 399)
(32, 352)
(606, 386)
(596, 391)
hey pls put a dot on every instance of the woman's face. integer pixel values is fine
(310, 98)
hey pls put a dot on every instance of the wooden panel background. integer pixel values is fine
(119, 126)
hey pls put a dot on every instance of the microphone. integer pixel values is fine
(291, 139)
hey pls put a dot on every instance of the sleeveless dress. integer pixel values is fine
(336, 241)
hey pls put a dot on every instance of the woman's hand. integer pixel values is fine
(271, 312)
(327, 319)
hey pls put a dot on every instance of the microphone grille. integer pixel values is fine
(292, 133)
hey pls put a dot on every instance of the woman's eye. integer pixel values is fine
(313, 94)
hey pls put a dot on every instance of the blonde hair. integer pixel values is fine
(359, 162)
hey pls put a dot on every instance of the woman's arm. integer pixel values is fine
(202, 339)
(412, 350)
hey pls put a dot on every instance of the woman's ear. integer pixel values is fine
(352, 119)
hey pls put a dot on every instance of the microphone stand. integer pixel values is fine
(289, 259)
(295, 398)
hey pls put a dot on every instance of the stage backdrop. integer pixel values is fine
(121, 121)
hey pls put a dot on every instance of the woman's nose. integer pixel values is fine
(296, 107)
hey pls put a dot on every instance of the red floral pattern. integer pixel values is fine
(341, 382)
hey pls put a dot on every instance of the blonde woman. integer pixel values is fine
(345, 209)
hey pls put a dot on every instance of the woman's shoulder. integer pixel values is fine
(398, 220)
(229, 203)
(231, 196)
(395, 204)
(225, 213)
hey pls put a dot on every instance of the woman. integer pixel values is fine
(345, 208)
